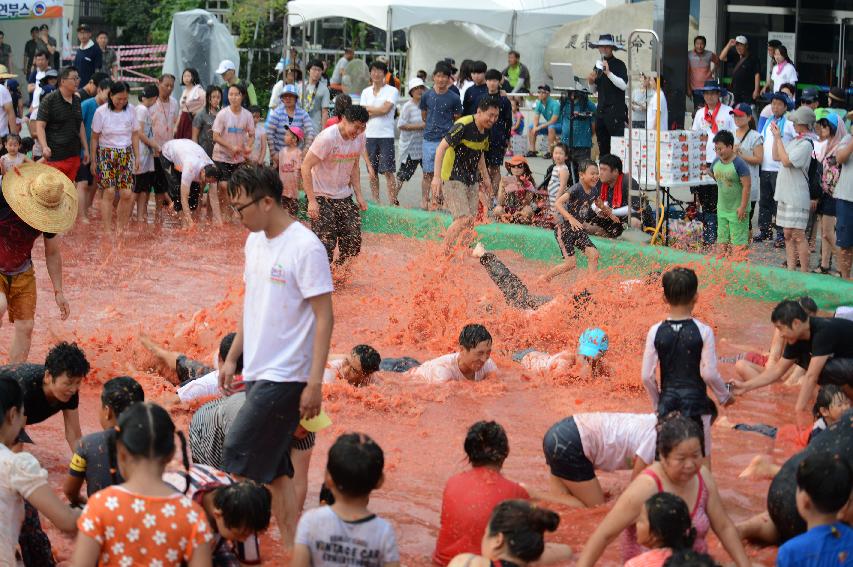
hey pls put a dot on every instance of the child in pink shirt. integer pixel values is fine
(289, 166)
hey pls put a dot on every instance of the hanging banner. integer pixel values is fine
(30, 9)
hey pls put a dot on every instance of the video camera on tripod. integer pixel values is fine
(572, 95)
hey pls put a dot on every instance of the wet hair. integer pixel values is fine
(488, 102)
(674, 429)
(243, 94)
(196, 80)
(225, 348)
(724, 137)
(827, 479)
(611, 161)
(213, 171)
(369, 358)
(690, 558)
(256, 182)
(146, 431)
(680, 286)
(494, 75)
(702, 37)
(479, 67)
(97, 77)
(442, 68)
(472, 335)
(808, 304)
(586, 164)
(356, 113)
(66, 358)
(381, 65)
(825, 396)
(208, 92)
(11, 396)
(486, 444)
(120, 393)
(787, 312)
(669, 521)
(244, 505)
(783, 51)
(342, 102)
(117, 88)
(355, 464)
(523, 526)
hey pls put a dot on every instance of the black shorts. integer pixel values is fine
(226, 169)
(564, 452)
(84, 173)
(380, 151)
(407, 169)
(257, 445)
(144, 182)
(189, 369)
(569, 239)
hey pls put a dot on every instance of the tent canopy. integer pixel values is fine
(507, 16)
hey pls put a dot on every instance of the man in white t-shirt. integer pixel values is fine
(330, 177)
(710, 119)
(770, 167)
(283, 335)
(188, 168)
(8, 123)
(472, 361)
(380, 100)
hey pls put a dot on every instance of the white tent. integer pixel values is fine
(197, 39)
(509, 17)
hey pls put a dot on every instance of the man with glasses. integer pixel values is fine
(188, 168)
(283, 336)
(330, 176)
(59, 126)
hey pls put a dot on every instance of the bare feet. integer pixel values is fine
(148, 343)
(723, 422)
(762, 466)
(479, 250)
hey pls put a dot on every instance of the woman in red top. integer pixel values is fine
(470, 497)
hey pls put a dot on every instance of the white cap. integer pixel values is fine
(415, 83)
(225, 65)
(742, 39)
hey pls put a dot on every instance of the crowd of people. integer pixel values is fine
(207, 153)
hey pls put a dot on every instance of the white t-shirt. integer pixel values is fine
(338, 156)
(115, 129)
(146, 156)
(202, 387)
(781, 74)
(20, 476)
(446, 368)
(332, 541)
(788, 133)
(724, 121)
(612, 440)
(544, 363)
(187, 157)
(844, 187)
(5, 98)
(380, 126)
(278, 323)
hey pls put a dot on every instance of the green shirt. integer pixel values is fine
(512, 74)
(729, 185)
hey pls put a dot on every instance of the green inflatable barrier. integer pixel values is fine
(751, 280)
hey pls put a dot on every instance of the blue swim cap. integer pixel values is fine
(593, 342)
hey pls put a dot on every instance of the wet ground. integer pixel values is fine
(404, 298)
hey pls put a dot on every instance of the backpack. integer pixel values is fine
(814, 176)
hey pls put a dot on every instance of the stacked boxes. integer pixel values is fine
(682, 153)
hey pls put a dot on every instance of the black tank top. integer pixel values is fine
(679, 347)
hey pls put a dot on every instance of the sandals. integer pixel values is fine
(826, 272)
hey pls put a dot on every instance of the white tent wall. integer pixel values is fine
(197, 39)
(429, 43)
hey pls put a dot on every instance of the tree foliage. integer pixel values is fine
(142, 24)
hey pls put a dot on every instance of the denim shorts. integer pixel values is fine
(428, 160)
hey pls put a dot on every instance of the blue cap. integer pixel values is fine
(742, 109)
(593, 343)
(289, 90)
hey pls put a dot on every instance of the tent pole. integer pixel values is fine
(388, 32)
(512, 29)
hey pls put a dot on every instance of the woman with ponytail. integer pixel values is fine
(515, 536)
(21, 477)
(143, 520)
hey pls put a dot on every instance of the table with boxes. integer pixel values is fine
(682, 153)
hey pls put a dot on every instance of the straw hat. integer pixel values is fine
(42, 196)
(5, 74)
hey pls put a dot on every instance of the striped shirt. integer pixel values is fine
(209, 426)
(277, 121)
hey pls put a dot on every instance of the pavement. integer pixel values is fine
(410, 198)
